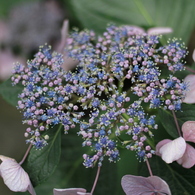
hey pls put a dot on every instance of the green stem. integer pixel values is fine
(120, 85)
(125, 116)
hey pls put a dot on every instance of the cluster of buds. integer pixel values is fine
(119, 78)
(44, 100)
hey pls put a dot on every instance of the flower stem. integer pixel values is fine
(176, 122)
(96, 179)
(189, 69)
(120, 85)
(149, 168)
(26, 154)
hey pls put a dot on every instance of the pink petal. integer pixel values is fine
(135, 29)
(193, 55)
(173, 150)
(64, 35)
(82, 193)
(159, 184)
(188, 129)
(190, 92)
(134, 185)
(160, 144)
(14, 176)
(68, 191)
(7, 58)
(69, 63)
(159, 30)
(188, 159)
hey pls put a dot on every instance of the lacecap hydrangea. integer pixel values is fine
(118, 80)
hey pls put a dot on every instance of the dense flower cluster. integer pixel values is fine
(118, 79)
(113, 68)
(43, 100)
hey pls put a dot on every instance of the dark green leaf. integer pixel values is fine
(187, 113)
(42, 163)
(72, 173)
(128, 164)
(177, 14)
(180, 180)
(168, 123)
(9, 92)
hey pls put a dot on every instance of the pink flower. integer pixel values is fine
(69, 63)
(135, 185)
(14, 176)
(150, 31)
(171, 150)
(188, 159)
(190, 81)
(193, 55)
(190, 92)
(70, 191)
(188, 129)
(177, 149)
(159, 30)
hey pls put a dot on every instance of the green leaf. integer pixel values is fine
(187, 113)
(42, 163)
(71, 172)
(9, 92)
(128, 164)
(168, 123)
(74, 174)
(177, 14)
(180, 180)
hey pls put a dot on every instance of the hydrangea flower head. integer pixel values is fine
(97, 94)
(44, 98)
